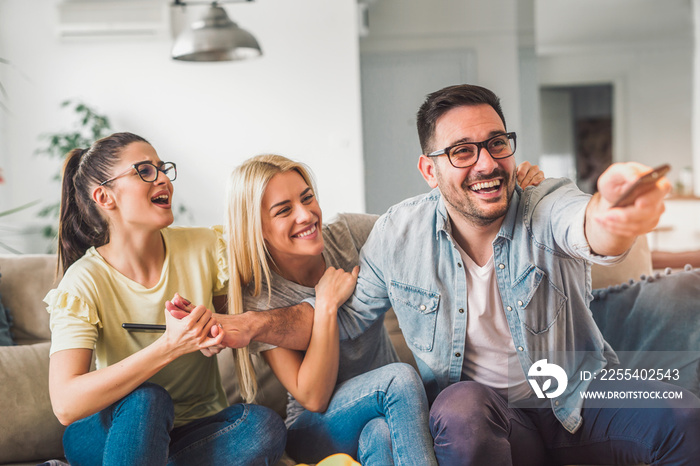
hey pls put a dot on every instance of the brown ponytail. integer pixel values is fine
(81, 224)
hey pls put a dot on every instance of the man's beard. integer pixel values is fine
(468, 208)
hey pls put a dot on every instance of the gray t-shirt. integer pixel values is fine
(343, 240)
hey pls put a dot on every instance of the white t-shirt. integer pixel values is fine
(489, 353)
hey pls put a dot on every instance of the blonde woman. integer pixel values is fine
(353, 396)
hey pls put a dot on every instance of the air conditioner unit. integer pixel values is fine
(91, 18)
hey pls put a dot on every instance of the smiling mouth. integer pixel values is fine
(162, 199)
(486, 186)
(307, 232)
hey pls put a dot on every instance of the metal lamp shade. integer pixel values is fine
(215, 38)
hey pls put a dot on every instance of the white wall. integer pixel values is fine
(652, 99)
(489, 27)
(645, 49)
(301, 99)
(557, 159)
(415, 47)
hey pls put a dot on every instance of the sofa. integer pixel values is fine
(29, 431)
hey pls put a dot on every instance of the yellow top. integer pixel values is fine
(93, 300)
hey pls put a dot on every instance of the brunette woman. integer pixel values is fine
(154, 398)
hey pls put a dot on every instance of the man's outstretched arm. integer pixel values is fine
(288, 327)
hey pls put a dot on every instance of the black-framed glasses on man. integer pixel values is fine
(466, 154)
(149, 172)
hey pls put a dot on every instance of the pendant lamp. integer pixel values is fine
(214, 38)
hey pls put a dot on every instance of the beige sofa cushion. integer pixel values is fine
(28, 428)
(637, 263)
(24, 283)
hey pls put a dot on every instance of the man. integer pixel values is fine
(487, 279)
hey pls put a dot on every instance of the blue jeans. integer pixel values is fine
(473, 425)
(138, 430)
(378, 418)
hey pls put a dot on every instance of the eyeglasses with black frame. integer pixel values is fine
(466, 154)
(148, 172)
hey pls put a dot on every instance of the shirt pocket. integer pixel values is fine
(419, 307)
(538, 301)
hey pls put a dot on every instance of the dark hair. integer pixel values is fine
(81, 224)
(440, 102)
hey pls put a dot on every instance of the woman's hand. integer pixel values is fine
(193, 332)
(529, 175)
(180, 308)
(311, 376)
(335, 287)
(76, 392)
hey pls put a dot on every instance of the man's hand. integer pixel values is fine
(529, 175)
(611, 231)
(236, 328)
(288, 327)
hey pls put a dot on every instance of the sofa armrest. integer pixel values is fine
(28, 428)
(636, 264)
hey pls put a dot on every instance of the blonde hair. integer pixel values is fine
(248, 257)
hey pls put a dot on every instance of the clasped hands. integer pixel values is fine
(198, 321)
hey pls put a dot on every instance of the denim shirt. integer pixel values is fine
(542, 259)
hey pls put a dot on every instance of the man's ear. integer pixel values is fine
(426, 166)
(103, 198)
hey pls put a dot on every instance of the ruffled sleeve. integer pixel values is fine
(61, 303)
(222, 273)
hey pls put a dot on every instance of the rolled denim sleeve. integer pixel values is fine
(371, 298)
(566, 212)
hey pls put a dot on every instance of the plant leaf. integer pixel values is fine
(17, 209)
